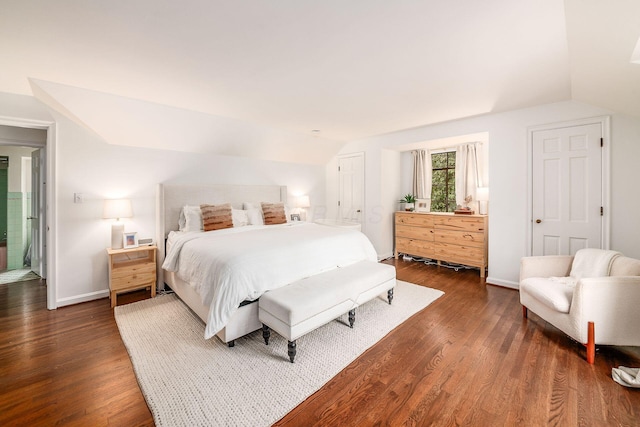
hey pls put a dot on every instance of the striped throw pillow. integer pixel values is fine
(216, 217)
(273, 213)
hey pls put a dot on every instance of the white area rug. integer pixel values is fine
(189, 381)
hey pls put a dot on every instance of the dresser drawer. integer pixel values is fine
(460, 223)
(416, 219)
(421, 248)
(468, 238)
(411, 232)
(460, 254)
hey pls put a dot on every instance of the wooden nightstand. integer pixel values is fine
(131, 269)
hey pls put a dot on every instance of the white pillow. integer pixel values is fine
(193, 218)
(239, 217)
(255, 216)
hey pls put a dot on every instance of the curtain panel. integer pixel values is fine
(466, 173)
(421, 174)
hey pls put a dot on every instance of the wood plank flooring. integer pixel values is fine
(468, 359)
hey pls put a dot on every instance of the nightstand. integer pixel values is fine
(131, 269)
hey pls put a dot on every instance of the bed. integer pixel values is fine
(220, 274)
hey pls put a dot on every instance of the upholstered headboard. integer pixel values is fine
(171, 198)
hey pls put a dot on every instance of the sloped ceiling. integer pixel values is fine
(252, 77)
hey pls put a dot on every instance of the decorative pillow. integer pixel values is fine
(216, 217)
(255, 216)
(239, 217)
(273, 213)
(191, 218)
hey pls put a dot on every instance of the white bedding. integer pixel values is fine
(228, 266)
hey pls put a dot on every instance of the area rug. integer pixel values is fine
(21, 275)
(187, 380)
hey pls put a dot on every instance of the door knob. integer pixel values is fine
(538, 221)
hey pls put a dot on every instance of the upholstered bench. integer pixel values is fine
(307, 304)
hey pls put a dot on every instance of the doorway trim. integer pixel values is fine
(604, 122)
(51, 207)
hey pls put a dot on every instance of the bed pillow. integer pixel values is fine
(273, 213)
(254, 215)
(191, 218)
(216, 217)
(239, 217)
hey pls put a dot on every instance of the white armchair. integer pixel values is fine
(601, 310)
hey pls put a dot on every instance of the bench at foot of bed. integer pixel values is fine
(302, 306)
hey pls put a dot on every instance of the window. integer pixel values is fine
(443, 189)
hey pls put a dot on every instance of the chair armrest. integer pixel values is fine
(545, 266)
(613, 304)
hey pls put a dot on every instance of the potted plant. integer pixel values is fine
(409, 202)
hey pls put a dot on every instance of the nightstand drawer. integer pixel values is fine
(133, 280)
(132, 269)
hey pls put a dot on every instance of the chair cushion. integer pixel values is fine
(555, 292)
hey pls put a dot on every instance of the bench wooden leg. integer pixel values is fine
(291, 350)
(266, 333)
(352, 317)
(390, 295)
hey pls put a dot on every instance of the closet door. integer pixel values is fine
(567, 191)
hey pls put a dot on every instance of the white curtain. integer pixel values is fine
(421, 174)
(466, 173)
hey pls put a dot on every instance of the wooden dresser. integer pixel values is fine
(458, 239)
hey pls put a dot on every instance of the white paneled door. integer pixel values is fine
(567, 189)
(351, 191)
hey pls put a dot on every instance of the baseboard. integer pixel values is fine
(385, 256)
(504, 283)
(82, 298)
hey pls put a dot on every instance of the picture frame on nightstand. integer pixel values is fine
(130, 240)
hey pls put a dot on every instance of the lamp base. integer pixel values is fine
(482, 207)
(117, 228)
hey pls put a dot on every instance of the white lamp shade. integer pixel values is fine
(303, 202)
(482, 194)
(117, 208)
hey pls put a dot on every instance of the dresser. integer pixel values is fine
(458, 239)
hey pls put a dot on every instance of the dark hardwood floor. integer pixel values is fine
(467, 359)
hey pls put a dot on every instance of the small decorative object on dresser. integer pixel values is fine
(423, 205)
(131, 269)
(295, 217)
(408, 201)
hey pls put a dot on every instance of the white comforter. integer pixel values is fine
(229, 266)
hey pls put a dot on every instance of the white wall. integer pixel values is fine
(99, 170)
(508, 176)
(87, 165)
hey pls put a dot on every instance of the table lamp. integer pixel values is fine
(116, 209)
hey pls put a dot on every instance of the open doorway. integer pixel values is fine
(18, 202)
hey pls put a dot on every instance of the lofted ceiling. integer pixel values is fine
(246, 71)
